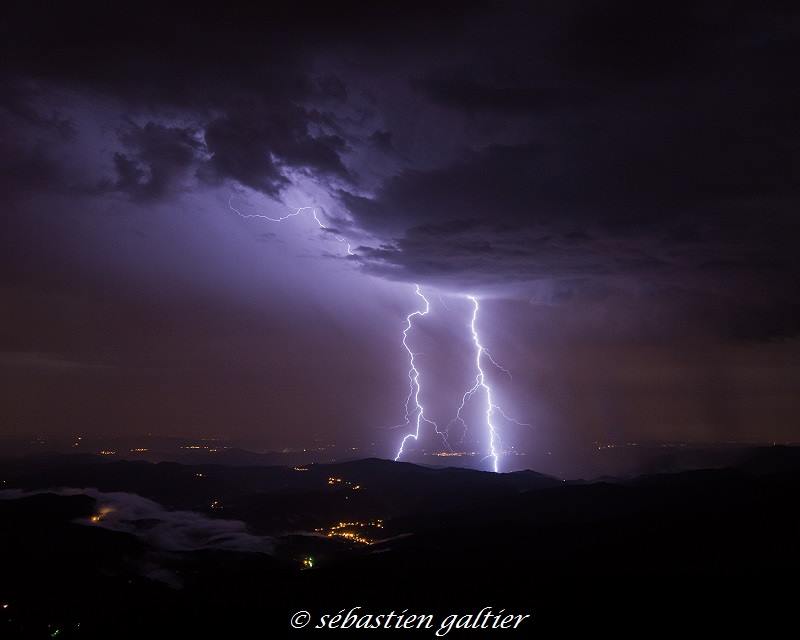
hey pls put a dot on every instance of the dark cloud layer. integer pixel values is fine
(647, 140)
(155, 157)
(245, 75)
(659, 146)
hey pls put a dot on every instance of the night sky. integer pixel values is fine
(617, 182)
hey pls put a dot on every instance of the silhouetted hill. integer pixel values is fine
(277, 498)
(768, 460)
(665, 549)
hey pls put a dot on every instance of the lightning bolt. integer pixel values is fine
(416, 416)
(413, 373)
(413, 378)
(481, 384)
(292, 214)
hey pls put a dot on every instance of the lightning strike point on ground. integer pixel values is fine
(414, 383)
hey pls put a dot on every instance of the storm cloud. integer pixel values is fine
(614, 173)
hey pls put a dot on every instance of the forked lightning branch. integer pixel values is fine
(415, 417)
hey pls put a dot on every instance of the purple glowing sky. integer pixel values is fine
(623, 207)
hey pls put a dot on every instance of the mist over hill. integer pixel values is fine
(373, 533)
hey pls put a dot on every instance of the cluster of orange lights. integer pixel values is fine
(349, 530)
(452, 454)
(610, 445)
(205, 447)
(340, 481)
(100, 515)
(351, 536)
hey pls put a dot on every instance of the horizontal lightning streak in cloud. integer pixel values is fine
(417, 415)
(292, 214)
(413, 374)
